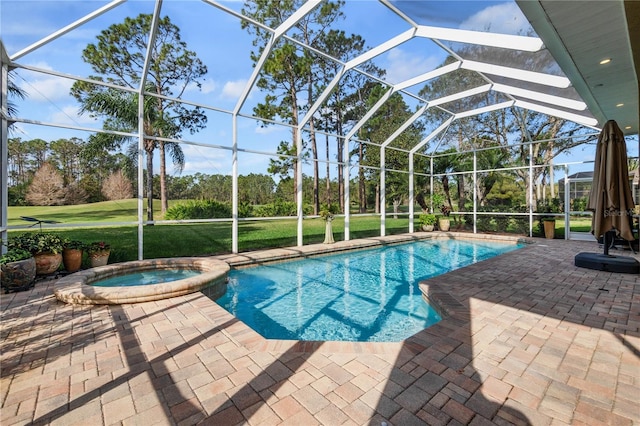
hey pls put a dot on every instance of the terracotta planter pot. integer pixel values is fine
(444, 224)
(18, 276)
(549, 229)
(72, 259)
(99, 259)
(47, 263)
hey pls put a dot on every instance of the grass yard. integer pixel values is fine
(103, 212)
(202, 239)
(185, 239)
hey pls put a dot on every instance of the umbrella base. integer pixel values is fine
(603, 262)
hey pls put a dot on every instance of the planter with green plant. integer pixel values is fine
(428, 221)
(99, 253)
(547, 222)
(327, 213)
(444, 223)
(72, 254)
(45, 247)
(17, 270)
(549, 226)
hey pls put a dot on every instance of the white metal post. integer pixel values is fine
(530, 190)
(475, 190)
(383, 196)
(411, 197)
(567, 202)
(4, 156)
(347, 192)
(234, 186)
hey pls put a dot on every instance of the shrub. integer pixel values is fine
(280, 208)
(579, 204)
(98, 247)
(502, 223)
(245, 209)
(37, 242)
(75, 194)
(428, 219)
(74, 244)
(483, 223)
(198, 209)
(15, 255)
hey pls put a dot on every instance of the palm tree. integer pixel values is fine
(13, 91)
(122, 110)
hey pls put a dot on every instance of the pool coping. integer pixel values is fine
(453, 313)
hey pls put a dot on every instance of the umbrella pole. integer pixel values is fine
(608, 240)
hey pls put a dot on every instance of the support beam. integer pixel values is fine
(4, 156)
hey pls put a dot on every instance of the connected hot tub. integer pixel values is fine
(203, 274)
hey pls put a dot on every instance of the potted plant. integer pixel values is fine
(17, 270)
(72, 254)
(428, 221)
(45, 247)
(547, 224)
(444, 223)
(99, 253)
(327, 213)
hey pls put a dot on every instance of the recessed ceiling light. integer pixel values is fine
(627, 127)
(619, 105)
(605, 61)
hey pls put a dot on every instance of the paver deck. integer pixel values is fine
(529, 339)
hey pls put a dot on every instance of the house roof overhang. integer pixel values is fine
(579, 35)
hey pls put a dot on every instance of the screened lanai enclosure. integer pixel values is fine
(213, 117)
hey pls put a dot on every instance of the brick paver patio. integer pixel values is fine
(529, 339)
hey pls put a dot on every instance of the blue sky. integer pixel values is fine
(224, 47)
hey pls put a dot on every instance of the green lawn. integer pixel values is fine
(203, 239)
(106, 211)
(187, 239)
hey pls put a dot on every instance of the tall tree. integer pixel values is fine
(65, 156)
(118, 58)
(346, 101)
(289, 74)
(380, 126)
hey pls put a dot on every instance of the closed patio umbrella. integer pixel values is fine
(611, 201)
(610, 198)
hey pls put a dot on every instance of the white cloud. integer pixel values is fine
(233, 89)
(204, 160)
(44, 88)
(41, 64)
(266, 130)
(503, 18)
(69, 115)
(208, 86)
(403, 65)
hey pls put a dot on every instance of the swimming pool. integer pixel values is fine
(365, 295)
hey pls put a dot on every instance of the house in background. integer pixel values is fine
(580, 185)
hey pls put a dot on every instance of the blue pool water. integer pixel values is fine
(146, 278)
(366, 295)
